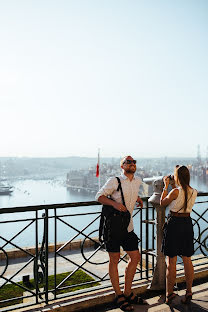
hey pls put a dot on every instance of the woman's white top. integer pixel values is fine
(178, 203)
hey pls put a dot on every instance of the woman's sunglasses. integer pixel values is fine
(129, 161)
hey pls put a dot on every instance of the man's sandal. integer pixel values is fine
(187, 298)
(134, 299)
(124, 305)
(170, 298)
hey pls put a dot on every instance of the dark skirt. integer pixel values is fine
(178, 237)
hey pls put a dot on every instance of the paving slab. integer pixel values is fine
(156, 304)
(97, 264)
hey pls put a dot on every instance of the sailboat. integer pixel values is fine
(5, 189)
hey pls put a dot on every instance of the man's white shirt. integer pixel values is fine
(130, 191)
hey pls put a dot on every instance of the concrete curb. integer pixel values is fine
(15, 253)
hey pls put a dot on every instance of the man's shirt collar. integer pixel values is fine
(124, 177)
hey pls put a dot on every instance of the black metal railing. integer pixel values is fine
(200, 222)
(76, 225)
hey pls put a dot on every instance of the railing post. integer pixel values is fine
(46, 255)
(159, 276)
(36, 257)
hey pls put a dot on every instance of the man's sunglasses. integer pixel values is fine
(129, 161)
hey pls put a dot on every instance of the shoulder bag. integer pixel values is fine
(113, 223)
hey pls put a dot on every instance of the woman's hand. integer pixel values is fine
(166, 181)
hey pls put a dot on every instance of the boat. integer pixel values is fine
(5, 189)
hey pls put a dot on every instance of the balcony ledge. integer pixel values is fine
(97, 298)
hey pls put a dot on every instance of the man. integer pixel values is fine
(130, 186)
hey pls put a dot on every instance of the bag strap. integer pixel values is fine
(187, 201)
(101, 227)
(120, 188)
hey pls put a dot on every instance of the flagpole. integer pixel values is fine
(99, 168)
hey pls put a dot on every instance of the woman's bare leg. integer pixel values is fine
(189, 273)
(170, 275)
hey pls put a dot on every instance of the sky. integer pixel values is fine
(126, 76)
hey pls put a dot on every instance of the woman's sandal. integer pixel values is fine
(170, 298)
(187, 298)
(135, 300)
(124, 305)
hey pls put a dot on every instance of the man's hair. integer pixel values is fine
(123, 159)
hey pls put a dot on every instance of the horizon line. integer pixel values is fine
(116, 157)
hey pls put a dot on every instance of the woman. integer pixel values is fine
(178, 233)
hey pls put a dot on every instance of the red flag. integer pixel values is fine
(98, 165)
(97, 170)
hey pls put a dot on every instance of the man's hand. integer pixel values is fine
(107, 201)
(139, 202)
(119, 207)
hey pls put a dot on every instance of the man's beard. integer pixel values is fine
(130, 170)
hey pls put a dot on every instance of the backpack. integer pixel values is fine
(113, 223)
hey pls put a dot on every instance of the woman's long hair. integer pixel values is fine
(183, 178)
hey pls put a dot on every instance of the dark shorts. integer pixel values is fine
(178, 237)
(130, 243)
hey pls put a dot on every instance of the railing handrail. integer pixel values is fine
(63, 205)
(48, 206)
(52, 206)
(202, 194)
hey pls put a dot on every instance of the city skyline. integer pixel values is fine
(125, 77)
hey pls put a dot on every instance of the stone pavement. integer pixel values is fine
(199, 302)
(156, 304)
(98, 265)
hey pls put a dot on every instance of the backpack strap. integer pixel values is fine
(120, 188)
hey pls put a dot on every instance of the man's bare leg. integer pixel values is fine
(113, 271)
(114, 277)
(135, 258)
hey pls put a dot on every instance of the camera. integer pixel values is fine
(171, 179)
